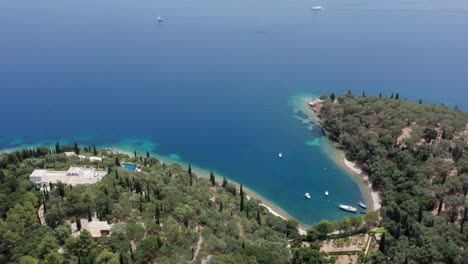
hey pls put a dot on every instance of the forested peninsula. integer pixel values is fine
(416, 155)
(158, 213)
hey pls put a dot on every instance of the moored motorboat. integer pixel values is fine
(348, 208)
(317, 8)
(307, 195)
(160, 19)
(280, 155)
(326, 193)
(362, 205)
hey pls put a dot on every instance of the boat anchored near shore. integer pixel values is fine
(326, 193)
(307, 195)
(280, 155)
(362, 205)
(348, 208)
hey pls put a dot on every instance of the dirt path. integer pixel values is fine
(241, 229)
(199, 243)
(40, 214)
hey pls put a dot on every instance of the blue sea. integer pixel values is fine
(218, 83)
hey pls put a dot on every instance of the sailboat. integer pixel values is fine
(160, 19)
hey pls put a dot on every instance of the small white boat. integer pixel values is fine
(348, 208)
(307, 195)
(326, 193)
(362, 205)
(317, 8)
(160, 19)
(280, 155)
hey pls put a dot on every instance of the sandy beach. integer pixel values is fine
(339, 157)
(376, 201)
(271, 207)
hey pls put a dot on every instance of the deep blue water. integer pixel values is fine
(214, 84)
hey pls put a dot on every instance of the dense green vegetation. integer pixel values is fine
(159, 215)
(417, 156)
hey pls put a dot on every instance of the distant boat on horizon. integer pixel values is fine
(160, 19)
(317, 8)
(348, 208)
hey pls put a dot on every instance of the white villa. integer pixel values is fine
(73, 176)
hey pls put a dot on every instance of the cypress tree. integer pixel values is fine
(78, 223)
(225, 182)
(121, 258)
(132, 255)
(147, 154)
(241, 199)
(220, 206)
(157, 215)
(134, 153)
(190, 174)
(440, 205)
(77, 149)
(2, 176)
(332, 97)
(391, 97)
(380, 95)
(90, 217)
(463, 219)
(420, 214)
(349, 91)
(107, 208)
(213, 179)
(382, 244)
(363, 94)
(117, 161)
(259, 219)
(94, 150)
(397, 96)
(57, 147)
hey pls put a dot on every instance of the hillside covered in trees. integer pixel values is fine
(163, 214)
(417, 156)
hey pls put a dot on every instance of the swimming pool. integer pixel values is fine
(129, 166)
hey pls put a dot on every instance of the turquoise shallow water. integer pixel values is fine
(218, 83)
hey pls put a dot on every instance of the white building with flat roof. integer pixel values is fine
(73, 176)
